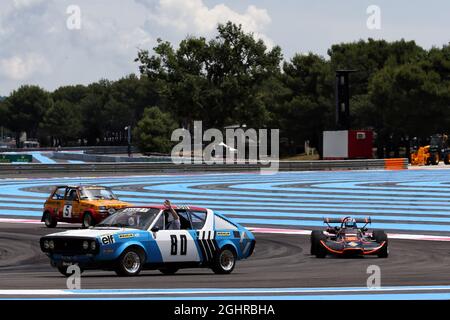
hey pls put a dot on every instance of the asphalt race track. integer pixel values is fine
(411, 205)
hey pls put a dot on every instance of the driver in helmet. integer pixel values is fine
(350, 223)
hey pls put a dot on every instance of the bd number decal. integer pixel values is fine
(174, 245)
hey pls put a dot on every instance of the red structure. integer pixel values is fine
(347, 144)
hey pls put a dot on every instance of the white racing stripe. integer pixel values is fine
(7, 220)
(112, 292)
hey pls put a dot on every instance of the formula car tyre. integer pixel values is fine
(49, 221)
(168, 271)
(88, 221)
(381, 236)
(224, 261)
(447, 159)
(130, 262)
(435, 159)
(316, 247)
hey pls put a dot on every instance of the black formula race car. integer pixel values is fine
(348, 239)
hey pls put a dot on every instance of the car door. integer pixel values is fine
(56, 202)
(177, 245)
(71, 208)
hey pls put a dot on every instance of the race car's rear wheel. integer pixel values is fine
(447, 158)
(380, 236)
(168, 271)
(88, 221)
(316, 247)
(130, 262)
(435, 159)
(224, 261)
(49, 221)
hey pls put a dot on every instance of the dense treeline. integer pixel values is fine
(400, 90)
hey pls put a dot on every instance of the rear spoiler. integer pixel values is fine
(339, 220)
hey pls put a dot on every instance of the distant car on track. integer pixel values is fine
(348, 239)
(137, 238)
(80, 204)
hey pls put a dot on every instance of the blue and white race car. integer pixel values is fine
(137, 238)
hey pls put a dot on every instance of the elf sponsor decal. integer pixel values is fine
(223, 233)
(107, 239)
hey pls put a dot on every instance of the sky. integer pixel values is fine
(51, 43)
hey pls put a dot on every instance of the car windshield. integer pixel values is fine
(97, 194)
(136, 218)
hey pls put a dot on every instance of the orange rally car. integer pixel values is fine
(80, 204)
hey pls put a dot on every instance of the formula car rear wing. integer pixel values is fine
(366, 221)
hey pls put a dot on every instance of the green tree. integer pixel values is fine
(62, 122)
(308, 105)
(154, 130)
(73, 94)
(409, 101)
(24, 110)
(367, 57)
(92, 110)
(220, 81)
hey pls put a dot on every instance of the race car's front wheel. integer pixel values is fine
(380, 236)
(316, 247)
(130, 262)
(49, 221)
(224, 261)
(88, 221)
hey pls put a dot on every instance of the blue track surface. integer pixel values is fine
(332, 293)
(414, 202)
(404, 201)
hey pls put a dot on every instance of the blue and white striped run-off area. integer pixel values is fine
(413, 201)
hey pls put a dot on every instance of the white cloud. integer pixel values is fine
(194, 17)
(36, 47)
(20, 4)
(22, 67)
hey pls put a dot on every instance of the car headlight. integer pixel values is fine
(93, 245)
(85, 245)
(111, 210)
(102, 208)
(46, 245)
(51, 244)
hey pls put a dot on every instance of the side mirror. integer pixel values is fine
(155, 229)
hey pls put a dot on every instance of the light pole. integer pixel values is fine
(128, 128)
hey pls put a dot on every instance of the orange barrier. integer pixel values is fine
(396, 164)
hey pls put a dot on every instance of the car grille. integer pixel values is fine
(69, 246)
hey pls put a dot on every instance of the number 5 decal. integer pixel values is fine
(67, 211)
(174, 245)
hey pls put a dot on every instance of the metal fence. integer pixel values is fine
(168, 167)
